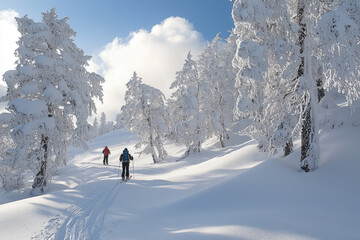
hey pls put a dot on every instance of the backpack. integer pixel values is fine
(125, 155)
(106, 151)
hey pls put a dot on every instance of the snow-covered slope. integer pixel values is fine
(231, 193)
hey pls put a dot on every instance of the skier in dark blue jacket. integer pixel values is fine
(125, 158)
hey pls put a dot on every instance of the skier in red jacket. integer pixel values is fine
(106, 153)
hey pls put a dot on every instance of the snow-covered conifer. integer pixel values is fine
(280, 102)
(144, 112)
(110, 126)
(9, 170)
(95, 128)
(330, 31)
(188, 119)
(339, 49)
(50, 95)
(103, 129)
(218, 95)
(251, 60)
(118, 123)
(322, 55)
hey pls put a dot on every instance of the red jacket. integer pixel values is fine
(106, 151)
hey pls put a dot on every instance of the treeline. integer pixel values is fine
(283, 67)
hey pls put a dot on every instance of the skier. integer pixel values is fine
(125, 158)
(106, 153)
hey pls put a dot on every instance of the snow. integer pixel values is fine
(44, 60)
(29, 107)
(30, 89)
(28, 70)
(53, 94)
(43, 124)
(230, 193)
(6, 118)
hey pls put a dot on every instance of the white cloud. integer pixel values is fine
(154, 55)
(8, 37)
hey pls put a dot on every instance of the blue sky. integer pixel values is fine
(99, 22)
(151, 37)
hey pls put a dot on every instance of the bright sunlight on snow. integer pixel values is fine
(231, 193)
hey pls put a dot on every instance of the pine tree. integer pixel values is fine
(339, 52)
(145, 113)
(309, 13)
(188, 119)
(110, 127)
(9, 171)
(281, 76)
(95, 128)
(103, 129)
(217, 78)
(118, 123)
(50, 95)
(251, 19)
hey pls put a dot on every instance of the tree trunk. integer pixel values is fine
(223, 138)
(40, 180)
(309, 136)
(153, 153)
(288, 147)
(306, 130)
(321, 91)
(306, 108)
(319, 83)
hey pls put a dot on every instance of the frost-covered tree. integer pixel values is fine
(338, 52)
(186, 109)
(103, 129)
(50, 96)
(217, 78)
(145, 113)
(95, 128)
(110, 126)
(308, 15)
(118, 122)
(252, 27)
(280, 103)
(297, 69)
(8, 170)
(329, 31)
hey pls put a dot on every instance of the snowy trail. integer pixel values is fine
(95, 189)
(86, 220)
(93, 192)
(231, 193)
(83, 219)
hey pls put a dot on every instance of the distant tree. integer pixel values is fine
(95, 128)
(144, 112)
(110, 127)
(103, 129)
(118, 122)
(50, 96)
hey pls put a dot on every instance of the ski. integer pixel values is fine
(128, 178)
(125, 180)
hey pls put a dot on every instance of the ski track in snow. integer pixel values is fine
(82, 221)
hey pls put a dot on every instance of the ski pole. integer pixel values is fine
(119, 170)
(133, 169)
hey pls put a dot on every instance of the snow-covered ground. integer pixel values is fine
(231, 193)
